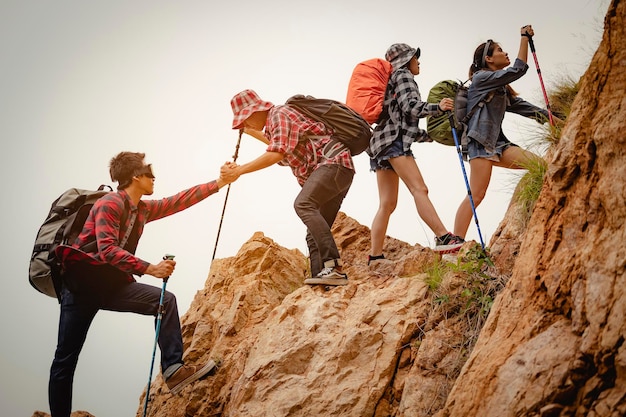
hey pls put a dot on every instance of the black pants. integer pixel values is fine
(78, 309)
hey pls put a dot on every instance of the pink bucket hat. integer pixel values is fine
(246, 103)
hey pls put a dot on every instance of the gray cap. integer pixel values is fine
(400, 53)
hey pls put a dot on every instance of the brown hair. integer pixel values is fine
(479, 64)
(123, 167)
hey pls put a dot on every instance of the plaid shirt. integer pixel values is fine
(104, 221)
(301, 140)
(405, 106)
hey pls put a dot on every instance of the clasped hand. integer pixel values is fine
(228, 172)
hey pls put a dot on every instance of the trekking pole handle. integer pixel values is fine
(530, 39)
(167, 257)
(531, 44)
(450, 114)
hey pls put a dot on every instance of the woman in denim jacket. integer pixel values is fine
(487, 145)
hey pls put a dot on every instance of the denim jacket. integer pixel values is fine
(486, 123)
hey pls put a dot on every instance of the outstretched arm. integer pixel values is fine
(263, 161)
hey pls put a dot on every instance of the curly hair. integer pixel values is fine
(123, 167)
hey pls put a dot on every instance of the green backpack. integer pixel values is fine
(438, 127)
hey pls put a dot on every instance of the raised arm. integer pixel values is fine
(526, 32)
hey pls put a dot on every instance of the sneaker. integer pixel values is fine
(187, 374)
(371, 258)
(328, 276)
(448, 243)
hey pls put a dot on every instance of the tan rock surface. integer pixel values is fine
(292, 350)
(393, 342)
(554, 341)
(400, 339)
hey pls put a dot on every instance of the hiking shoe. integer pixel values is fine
(371, 258)
(328, 276)
(448, 243)
(187, 374)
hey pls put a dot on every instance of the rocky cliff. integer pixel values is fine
(540, 332)
(400, 339)
(382, 345)
(553, 344)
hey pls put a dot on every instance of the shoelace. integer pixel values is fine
(325, 271)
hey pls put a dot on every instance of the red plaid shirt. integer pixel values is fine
(104, 221)
(286, 128)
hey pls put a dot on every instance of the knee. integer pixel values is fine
(301, 206)
(63, 365)
(419, 190)
(479, 196)
(388, 207)
(170, 307)
(169, 298)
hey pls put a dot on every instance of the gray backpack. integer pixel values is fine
(63, 224)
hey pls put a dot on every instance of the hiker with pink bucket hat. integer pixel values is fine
(323, 170)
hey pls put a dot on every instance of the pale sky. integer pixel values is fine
(83, 80)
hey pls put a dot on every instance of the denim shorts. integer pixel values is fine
(476, 150)
(394, 150)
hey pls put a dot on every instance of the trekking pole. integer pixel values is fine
(543, 88)
(219, 229)
(469, 190)
(160, 312)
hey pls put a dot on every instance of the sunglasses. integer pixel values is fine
(486, 52)
(145, 170)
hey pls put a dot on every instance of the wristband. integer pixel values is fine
(527, 35)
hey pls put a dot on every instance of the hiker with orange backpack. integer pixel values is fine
(390, 150)
(487, 145)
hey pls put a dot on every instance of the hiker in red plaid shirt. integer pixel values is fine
(324, 172)
(98, 274)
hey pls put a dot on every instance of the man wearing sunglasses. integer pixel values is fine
(98, 274)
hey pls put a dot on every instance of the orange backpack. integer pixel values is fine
(366, 90)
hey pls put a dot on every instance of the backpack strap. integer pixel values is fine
(479, 105)
(389, 98)
(129, 230)
(468, 116)
(92, 245)
(332, 148)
